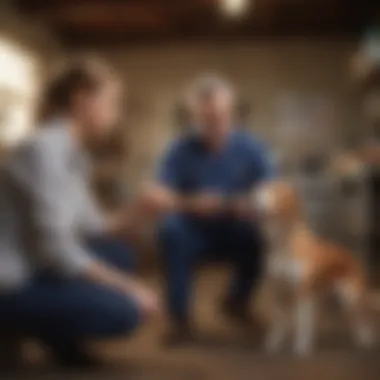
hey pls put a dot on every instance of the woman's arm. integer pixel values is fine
(122, 222)
(39, 174)
(40, 177)
(99, 272)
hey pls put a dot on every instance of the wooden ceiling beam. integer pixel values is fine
(168, 20)
(41, 5)
(113, 15)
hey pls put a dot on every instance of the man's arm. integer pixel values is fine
(168, 193)
(160, 198)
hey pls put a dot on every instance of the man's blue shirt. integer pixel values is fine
(189, 167)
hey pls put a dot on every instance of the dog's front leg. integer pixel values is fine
(278, 321)
(305, 325)
(277, 332)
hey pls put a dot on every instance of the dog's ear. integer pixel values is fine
(277, 198)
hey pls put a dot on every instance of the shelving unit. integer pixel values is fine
(365, 72)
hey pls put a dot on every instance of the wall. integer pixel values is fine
(27, 50)
(29, 34)
(261, 70)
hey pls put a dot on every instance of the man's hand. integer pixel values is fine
(205, 204)
(158, 199)
(241, 208)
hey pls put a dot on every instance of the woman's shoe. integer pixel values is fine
(10, 352)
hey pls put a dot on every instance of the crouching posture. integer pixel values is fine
(203, 185)
(306, 265)
(56, 285)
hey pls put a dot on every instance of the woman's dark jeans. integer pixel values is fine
(62, 313)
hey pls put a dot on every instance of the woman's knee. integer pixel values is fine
(133, 318)
(121, 320)
(113, 251)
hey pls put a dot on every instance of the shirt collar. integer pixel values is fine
(198, 139)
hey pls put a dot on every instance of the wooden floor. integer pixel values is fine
(223, 352)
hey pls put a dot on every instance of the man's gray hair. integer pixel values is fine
(207, 85)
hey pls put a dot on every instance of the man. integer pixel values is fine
(203, 185)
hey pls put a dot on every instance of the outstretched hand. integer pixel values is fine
(241, 207)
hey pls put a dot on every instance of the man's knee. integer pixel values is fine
(174, 233)
(248, 243)
(179, 246)
(245, 235)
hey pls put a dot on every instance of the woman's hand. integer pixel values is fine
(156, 199)
(127, 220)
(101, 273)
(146, 298)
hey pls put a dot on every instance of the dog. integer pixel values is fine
(307, 265)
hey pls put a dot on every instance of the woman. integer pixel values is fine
(54, 286)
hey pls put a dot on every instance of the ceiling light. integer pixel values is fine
(234, 8)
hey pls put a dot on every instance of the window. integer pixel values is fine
(18, 85)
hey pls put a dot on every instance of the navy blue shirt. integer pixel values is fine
(189, 167)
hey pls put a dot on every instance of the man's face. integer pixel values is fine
(214, 112)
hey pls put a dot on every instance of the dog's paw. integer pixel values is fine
(303, 348)
(365, 337)
(274, 341)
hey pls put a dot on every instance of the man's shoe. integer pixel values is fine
(180, 334)
(240, 313)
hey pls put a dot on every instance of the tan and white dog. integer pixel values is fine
(307, 265)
